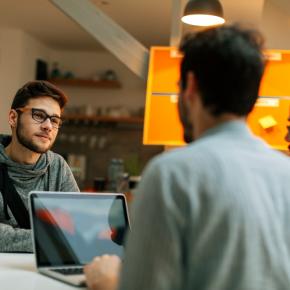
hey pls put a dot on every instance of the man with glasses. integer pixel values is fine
(26, 162)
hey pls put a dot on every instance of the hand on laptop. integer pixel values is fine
(103, 273)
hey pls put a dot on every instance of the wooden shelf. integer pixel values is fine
(102, 84)
(104, 119)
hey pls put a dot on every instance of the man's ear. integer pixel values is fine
(191, 87)
(12, 118)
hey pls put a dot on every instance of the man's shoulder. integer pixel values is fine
(193, 150)
(193, 153)
(58, 164)
(55, 158)
(212, 152)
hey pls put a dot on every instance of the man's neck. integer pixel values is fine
(210, 122)
(20, 154)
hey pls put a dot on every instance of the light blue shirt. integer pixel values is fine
(214, 215)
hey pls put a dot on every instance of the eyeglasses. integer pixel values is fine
(41, 116)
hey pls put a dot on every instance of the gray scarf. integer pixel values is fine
(23, 172)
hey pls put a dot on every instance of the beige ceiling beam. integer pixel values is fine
(176, 24)
(111, 35)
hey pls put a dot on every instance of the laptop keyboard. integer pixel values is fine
(69, 271)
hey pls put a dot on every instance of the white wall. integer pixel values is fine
(88, 64)
(18, 54)
(275, 25)
(10, 63)
(32, 49)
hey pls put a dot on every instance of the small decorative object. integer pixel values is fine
(110, 75)
(69, 75)
(41, 70)
(267, 122)
(55, 72)
(89, 110)
(99, 183)
(115, 174)
(77, 163)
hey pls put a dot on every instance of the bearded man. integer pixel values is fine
(26, 162)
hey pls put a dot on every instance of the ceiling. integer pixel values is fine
(44, 21)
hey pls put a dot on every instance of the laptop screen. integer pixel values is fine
(71, 229)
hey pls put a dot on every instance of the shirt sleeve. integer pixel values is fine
(154, 253)
(16, 240)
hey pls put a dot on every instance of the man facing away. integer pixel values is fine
(215, 214)
(27, 163)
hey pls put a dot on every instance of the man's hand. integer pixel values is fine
(103, 273)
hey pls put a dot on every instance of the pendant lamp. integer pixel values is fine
(203, 13)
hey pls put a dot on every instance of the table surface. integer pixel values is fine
(18, 271)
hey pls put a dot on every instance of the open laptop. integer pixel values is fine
(70, 229)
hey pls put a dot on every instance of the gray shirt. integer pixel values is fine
(214, 215)
(50, 173)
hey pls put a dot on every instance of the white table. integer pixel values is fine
(18, 271)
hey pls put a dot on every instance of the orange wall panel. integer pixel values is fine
(275, 81)
(165, 70)
(162, 125)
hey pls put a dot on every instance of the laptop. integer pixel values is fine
(70, 229)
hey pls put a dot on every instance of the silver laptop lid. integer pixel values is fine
(72, 228)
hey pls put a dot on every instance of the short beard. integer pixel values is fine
(186, 124)
(26, 142)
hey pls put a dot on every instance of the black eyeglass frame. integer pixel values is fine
(56, 124)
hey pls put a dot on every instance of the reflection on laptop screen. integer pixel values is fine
(71, 229)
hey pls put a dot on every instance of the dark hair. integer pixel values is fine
(38, 89)
(228, 64)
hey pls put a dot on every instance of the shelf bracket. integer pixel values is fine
(111, 35)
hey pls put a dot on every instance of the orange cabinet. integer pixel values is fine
(267, 120)
(162, 124)
(165, 70)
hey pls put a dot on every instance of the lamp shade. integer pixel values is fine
(203, 13)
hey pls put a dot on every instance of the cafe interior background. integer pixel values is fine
(107, 86)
